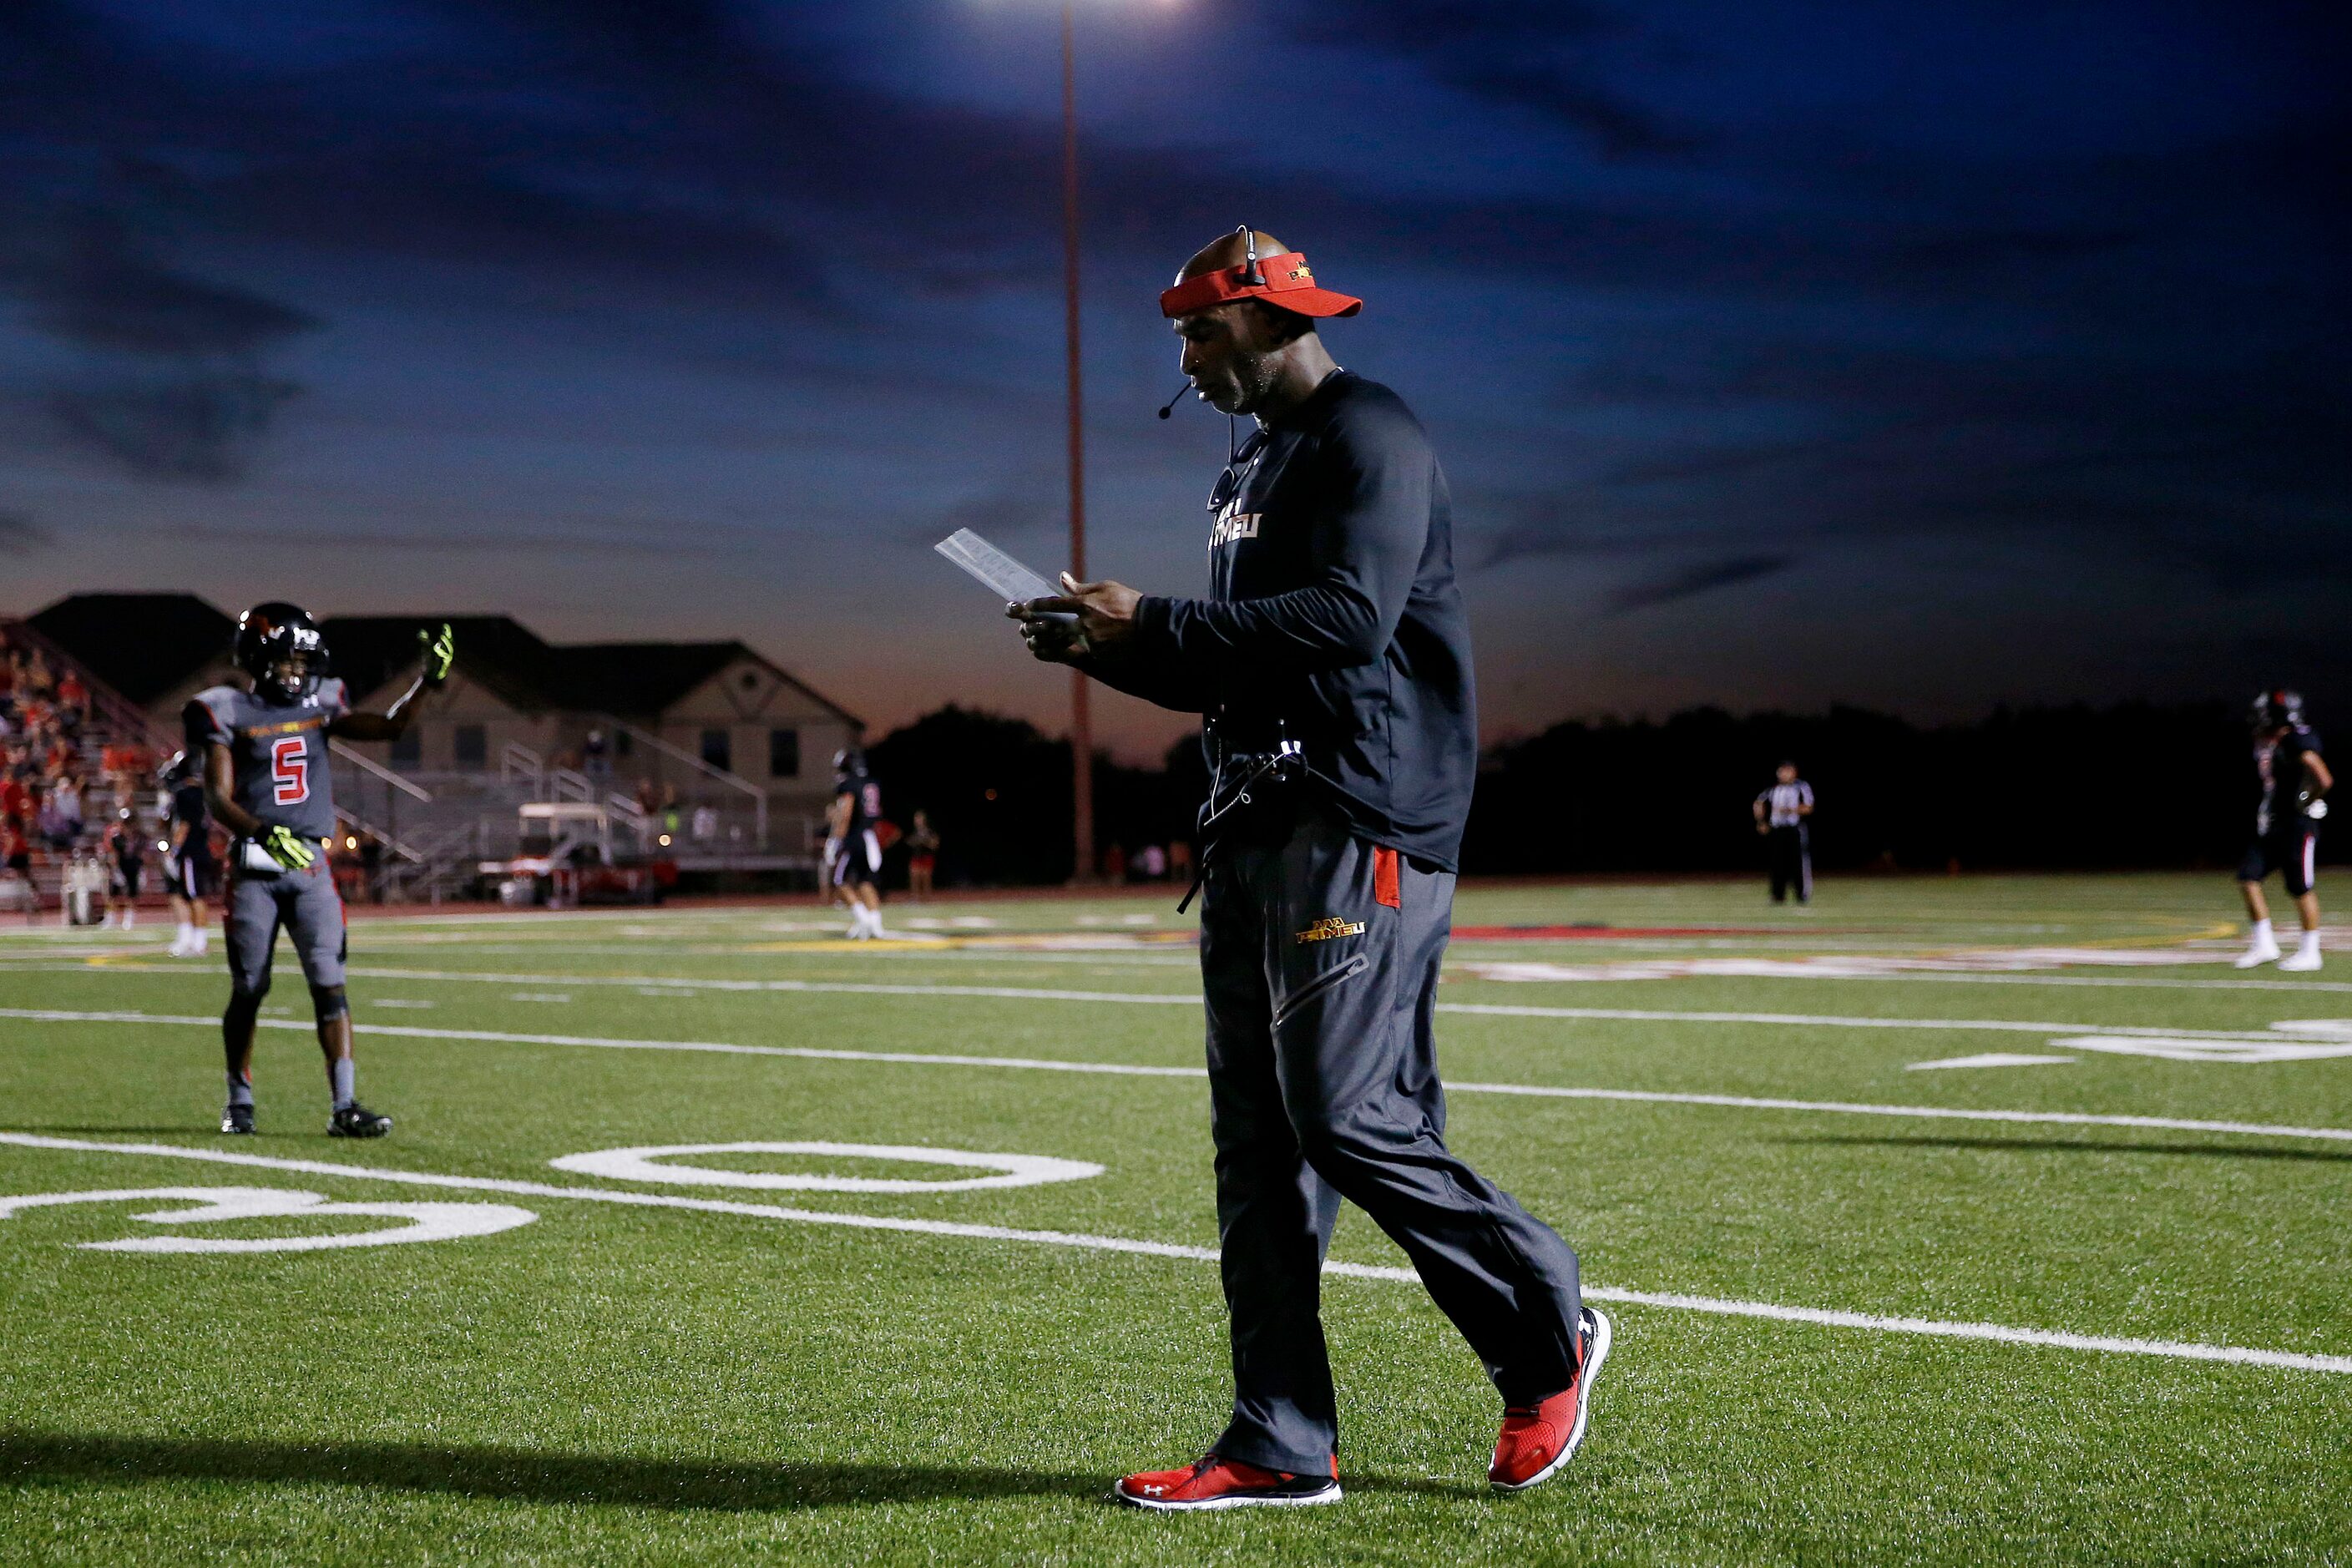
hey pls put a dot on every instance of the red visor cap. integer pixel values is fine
(1288, 284)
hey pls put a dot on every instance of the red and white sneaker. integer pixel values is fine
(1537, 1439)
(1212, 1482)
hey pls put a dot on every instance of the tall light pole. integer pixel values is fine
(1082, 739)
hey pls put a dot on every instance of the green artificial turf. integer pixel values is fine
(618, 1383)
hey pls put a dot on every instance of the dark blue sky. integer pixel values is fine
(1925, 356)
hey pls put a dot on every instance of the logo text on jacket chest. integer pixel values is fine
(1233, 525)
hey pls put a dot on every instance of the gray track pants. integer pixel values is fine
(1323, 1085)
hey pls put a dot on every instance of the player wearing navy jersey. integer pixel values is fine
(1331, 660)
(267, 779)
(2295, 781)
(853, 849)
(126, 857)
(190, 872)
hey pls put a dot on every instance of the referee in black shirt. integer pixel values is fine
(1331, 660)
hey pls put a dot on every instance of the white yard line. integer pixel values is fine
(1996, 1332)
(1106, 958)
(1123, 959)
(2144, 983)
(666, 983)
(669, 986)
(1123, 1069)
(1837, 1021)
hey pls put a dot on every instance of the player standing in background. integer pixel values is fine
(922, 856)
(126, 861)
(2294, 778)
(1780, 814)
(853, 851)
(267, 779)
(188, 867)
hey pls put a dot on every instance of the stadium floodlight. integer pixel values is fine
(1081, 739)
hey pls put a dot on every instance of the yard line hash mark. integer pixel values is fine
(2000, 1334)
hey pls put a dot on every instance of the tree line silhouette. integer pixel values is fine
(2130, 786)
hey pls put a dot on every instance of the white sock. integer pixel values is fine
(130, 917)
(2262, 933)
(187, 937)
(203, 939)
(2310, 942)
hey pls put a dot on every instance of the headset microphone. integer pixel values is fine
(1169, 406)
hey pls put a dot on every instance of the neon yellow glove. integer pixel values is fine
(440, 653)
(289, 848)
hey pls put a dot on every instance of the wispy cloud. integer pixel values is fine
(1705, 577)
(198, 424)
(20, 535)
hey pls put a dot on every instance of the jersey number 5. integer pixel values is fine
(289, 769)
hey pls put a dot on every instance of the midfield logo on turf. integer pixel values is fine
(1328, 927)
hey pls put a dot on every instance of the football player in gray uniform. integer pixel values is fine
(266, 780)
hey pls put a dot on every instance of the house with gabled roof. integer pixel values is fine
(155, 650)
(695, 719)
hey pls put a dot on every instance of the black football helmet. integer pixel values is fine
(272, 637)
(2277, 709)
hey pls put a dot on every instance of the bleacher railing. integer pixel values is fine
(759, 797)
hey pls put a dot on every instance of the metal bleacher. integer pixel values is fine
(436, 830)
(108, 720)
(368, 797)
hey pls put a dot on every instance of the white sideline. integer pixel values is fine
(1826, 1317)
(1124, 1069)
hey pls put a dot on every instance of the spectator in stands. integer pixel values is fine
(592, 754)
(1114, 864)
(16, 849)
(648, 798)
(55, 831)
(1151, 863)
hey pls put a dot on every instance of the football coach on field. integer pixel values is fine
(1331, 661)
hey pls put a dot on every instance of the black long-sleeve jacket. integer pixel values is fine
(1332, 608)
